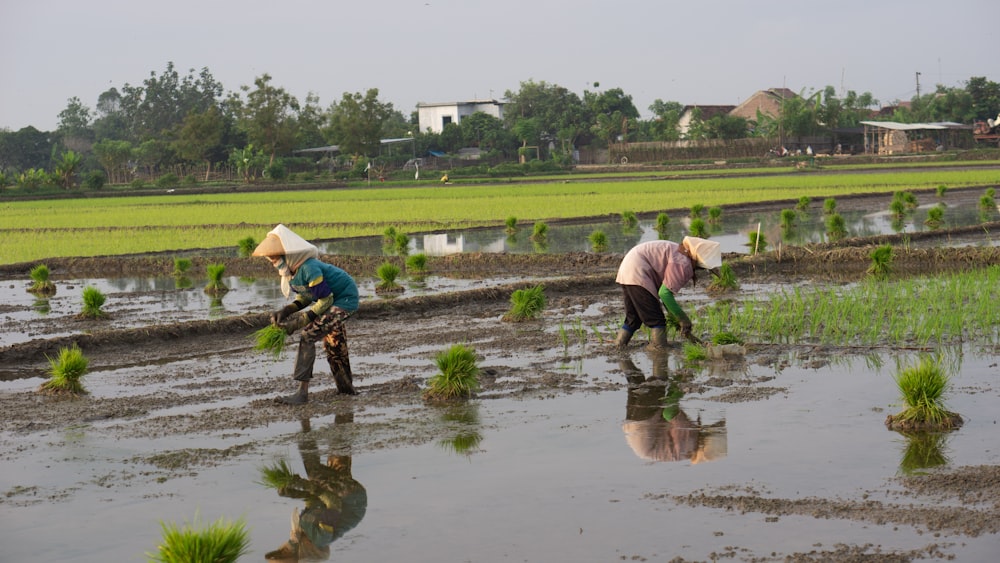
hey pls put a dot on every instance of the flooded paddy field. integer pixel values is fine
(571, 450)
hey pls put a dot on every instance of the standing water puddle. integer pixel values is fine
(531, 479)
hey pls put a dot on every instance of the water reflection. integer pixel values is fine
(334, 501)
(462, 421)
(923, 450)
(656, 428)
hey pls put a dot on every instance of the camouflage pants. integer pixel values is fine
(328, 327)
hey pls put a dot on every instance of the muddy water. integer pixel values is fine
(539, 478)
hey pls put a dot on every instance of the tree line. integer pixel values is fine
(186, 122)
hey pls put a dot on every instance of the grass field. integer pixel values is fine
(34, 230)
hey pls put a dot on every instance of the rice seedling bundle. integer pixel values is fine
(922, 388)
(935, 216)
(694, 353)
(181, 266)
(696, 210)
(881, 265)
(598, 241)
(698, 228)
(215, 283)
(66, 372)
(757, 242)
(662, 222)
(511, 225)
(41, 283)
(539, 231)
(221, 542)
(387, 273)
(629, 220)
(714, 214)
(458, 375)
(246, 246)
(526, 304)
(402, 244)
(829, 205)
(93, 300)
(836, 227)
(803, 203)
(417, 263)
(787, 218)
(270, 339)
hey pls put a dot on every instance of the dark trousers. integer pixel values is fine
(641, 308)
(328, 327)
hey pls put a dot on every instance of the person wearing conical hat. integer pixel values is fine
(325, 297)
(650, 274)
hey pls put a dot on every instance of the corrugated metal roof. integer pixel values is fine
(915, 126)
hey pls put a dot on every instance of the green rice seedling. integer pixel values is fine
(986, 203)
(563, 335)
(181, 266)
(277, 475)
(696, 210)
(417, 263)
(787, 219)
(539, 231)
(694, 353)
(698, 228)
(458, 375)
(941, 190)
(922, 388)
(935, 216)
(40, 281)
(221, 542)
(714, 214)
(93, 300)
(881, 265)
(836, 227)
(511, 225)
(270, 339)
(387, 273)
(402, 244)
(246, 247)
(829, 206)
(803, 203)
(526, 304)
(726, 337)
(725, 281)
(757, 242)
(662, 223)
(215, 284)
(991, 193)
(910, 200)
(897, 207)
(389, 235)
(598, 241)
(629, 220)
(66, 372)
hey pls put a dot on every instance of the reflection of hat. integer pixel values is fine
(271, 246)
(707, 253)
(711, 446)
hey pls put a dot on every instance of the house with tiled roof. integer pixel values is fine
(767, 102)
(705, 113)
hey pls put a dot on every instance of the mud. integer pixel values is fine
(200, 394)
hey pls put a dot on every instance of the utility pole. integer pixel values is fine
(918, 85)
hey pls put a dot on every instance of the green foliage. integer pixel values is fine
(726, 337)
(215, 274)
(714, 214)
(181, 266)
(881, 265)
(275, 171)
(629, 220)
(246, 246)
(221, 542)
(66, 169)
(787, 219)
(829, 206)
(511, 225)
(922, 388)
(402, 244)
(93, 300)
(387, 273)
(67, 372)
(897, 207)
(803, 203)
(662, 223)
(987, 203)
(168, 180)
(725, 281)
(137, 184)
(277, 476)
(696, 210)
(924, 450)
(389, 235)
(526, 304)
(935, 216)
(458, 375)
(694, 353)
(598, 241)
(941, 190)
(94, 180)
(836, 227)
(757, 242)
(698, 228)
(40, 278)
(539, 231)
(32, 179)
(417, 263)
(270, 339)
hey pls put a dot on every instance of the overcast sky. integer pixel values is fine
(692, 52)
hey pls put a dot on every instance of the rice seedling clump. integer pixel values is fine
(93, 300)
(215, 283)
(526, 304)
(387, 273)
(458, 375)
(922, 388)
(222, 542)
(270, 339)
(725, 281)
(598, 241)
(66, 371)
(41, 283)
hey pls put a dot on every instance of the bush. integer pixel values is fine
(276, 171)
(94, 180)
(169, 180)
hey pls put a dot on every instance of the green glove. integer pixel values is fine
(295, 322)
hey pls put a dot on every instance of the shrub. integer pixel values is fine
(246, 246)
(276, 171)
(598, 241)
(220, 542)
(67, 372)
(94, 180)
(169, 180)
(526, 304)
(93, 300)
(458, 375)
(137, 183)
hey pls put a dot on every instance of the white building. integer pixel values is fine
(433, 117)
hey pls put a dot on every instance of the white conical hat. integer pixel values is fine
(707, 253)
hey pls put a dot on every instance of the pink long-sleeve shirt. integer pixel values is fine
(654, 263)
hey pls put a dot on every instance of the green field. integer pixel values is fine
(34, 230)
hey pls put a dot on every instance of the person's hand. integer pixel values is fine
(280, 315)
(294, 323)
(686, 332)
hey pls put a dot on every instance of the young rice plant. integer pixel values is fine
(67, 372)
(458, 375)
(598, 241)
(922, 388)
(93, 300)
(270, 339)
(881, 265)
(41, 283)
(246, 247)
(417, 263)
(215, 284)
(221, 542)
(526, 304)
(725, 281)
(387, 273)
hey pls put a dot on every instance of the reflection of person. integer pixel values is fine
(335, 503)
(325, 297)
(650, 274)
(656, 428)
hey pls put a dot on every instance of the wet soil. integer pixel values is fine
(204, 390)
